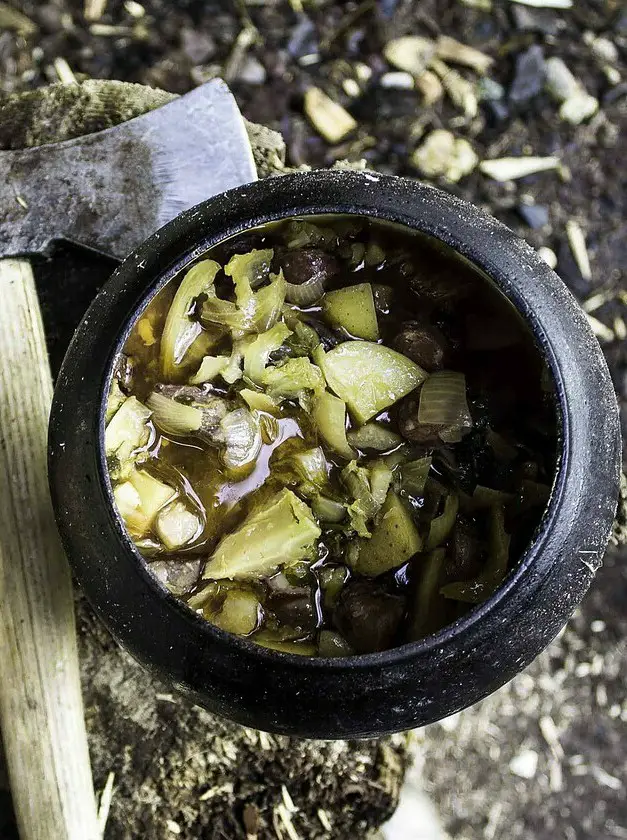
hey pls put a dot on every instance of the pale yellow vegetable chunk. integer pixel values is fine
(279, 533)
(368, 377)
(177, 525)
(353, 309)
(239, 613)
(329, 416)
(140, 499)
(394, 540)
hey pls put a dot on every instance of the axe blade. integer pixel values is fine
(111, 190)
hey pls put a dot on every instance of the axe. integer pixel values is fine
(107, 191)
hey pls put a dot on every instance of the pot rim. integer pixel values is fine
(487, 244)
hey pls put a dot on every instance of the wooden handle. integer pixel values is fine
(41, 709)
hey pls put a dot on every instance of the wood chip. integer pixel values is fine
(94, 9)
(546, 4)
(461, 92)
(444, 155)
(324, 819)
(602, 332)
(549, 256)
(286, 821)
(64, 71)
(577, 104)
(577, 242)
(510, 168)
(105, 803)
(135, 10)
(430, 87)
(329, 118)
(449, 49)
(412, 53)
(11, 19)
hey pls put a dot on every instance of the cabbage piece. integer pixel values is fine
(258, 352)
(252, 268)
(394, 540)
(240, 612)
(374, 436)
(242, 437)
(177, 525)
(368, 377)
(353, 309)
(139, 500)
(368, 487)
(328, 510)
(115, 399)
(252, 311)
(180, 331)
(297, 379)
(281, 532)
(259, 401)
(210, 368)
(413, 476)
(329, 416)
(126, 434)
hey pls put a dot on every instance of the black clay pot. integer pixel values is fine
(377, 693)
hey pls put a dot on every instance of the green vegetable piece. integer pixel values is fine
(443, 403)
(115, 400)
(427, 613)
(374, 436)
(295, 380)
(484, 498)
(127, 432)
(258, 401)
(304, 339)
(180, 331)
(331, 645)
(173, 417)
(368, 377)
(140, 499)
(329, 416)
(352, 308)
(253, 267)
(233, 371)
(242, 436)
(297, 648)
(357, 481)
(477, 590)
(375, 255)
(332, 579)
(252, 312)
(394, 540)
(177, 525)
(280, 532)
(239, 614)
(211, 367)
(380, 480)
(328, 510)
(413, 476)
(258, 352)
(442, 525)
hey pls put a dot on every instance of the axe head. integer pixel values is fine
(111, 190)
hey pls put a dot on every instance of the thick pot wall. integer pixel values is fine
(378, 693)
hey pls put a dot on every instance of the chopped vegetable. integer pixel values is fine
(177, 525)
(332, 644)
(252, 268)
(443, 403)
(180, 330)
(127, 432)
(442, 525)
(295, 648)
(307, 272)
(211, 367)
(368, 377)
(252, 311)
(353, 309)
(328, 510)
(115, 399)
(279, 533)
(258, 400)
(374, 436)
(413, 476)
(258, 351)
(297, 379)
(177, 576)
(140, 499)
(395, 539)
(242, 437)
(239, 613)
(427, 602)
(329, 416)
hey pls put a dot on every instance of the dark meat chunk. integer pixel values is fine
(298, 611)
(308, 264)
(465, 554)
(368, 617)
(423, 344)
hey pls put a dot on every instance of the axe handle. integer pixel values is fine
(41, 709)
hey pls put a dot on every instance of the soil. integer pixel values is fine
(545, 756)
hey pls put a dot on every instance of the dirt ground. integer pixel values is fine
(544, 758)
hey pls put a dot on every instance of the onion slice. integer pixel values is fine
(304, 294)
(443, 403)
